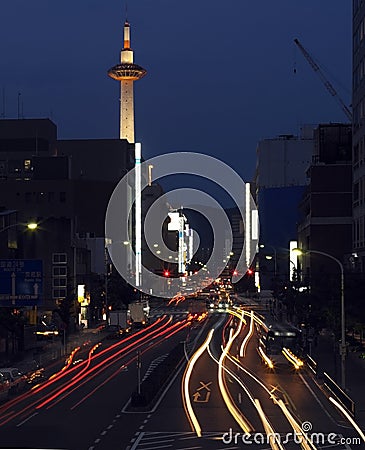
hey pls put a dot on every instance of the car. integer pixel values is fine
(46, 332)
(115, 332)
(4, 387)
(14, 377)
(33, 371)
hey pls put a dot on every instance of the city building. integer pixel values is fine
(358, 142)
(280, 181)
(65, 187)
(325, 231)
(326, 213)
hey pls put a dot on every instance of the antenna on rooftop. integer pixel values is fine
(3, 112)
(19, 95)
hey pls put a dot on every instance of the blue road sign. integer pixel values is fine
(21, 282)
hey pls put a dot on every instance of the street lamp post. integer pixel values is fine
(342, 288)
(30, 226)
(275, 256)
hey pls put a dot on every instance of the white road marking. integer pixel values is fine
(189, 448)
(137, 440)
(26, 420)
(159, 446)
(159, 438)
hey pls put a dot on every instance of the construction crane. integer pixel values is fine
(324, 80)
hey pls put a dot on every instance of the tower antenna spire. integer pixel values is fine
(126, 11)
(126, 72)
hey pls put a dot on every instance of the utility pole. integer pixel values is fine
(139, 364)
(106, 263)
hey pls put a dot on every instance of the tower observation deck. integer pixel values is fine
(126, 72)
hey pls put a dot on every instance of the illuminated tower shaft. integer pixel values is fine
(127, 73)
(126, 111)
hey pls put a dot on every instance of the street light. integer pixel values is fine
(30, 226)
(298, 251)
(275, 258)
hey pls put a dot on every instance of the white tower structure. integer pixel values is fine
(127, 73)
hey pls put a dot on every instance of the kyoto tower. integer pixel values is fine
(127, 73)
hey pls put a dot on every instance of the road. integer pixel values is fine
(286, 398)
(212, 400)
(72, 409)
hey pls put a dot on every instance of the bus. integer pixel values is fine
(280, 343)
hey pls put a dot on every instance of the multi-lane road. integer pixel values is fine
(221, 397)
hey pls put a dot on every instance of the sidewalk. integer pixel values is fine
(326, 355)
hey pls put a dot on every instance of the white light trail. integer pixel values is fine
(185, 385)
(235, 412)
(274, 443)
(347, 415)
(289, 355)
(247, 338)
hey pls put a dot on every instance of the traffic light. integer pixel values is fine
(166, 273)
(249, 272)
(235, 272)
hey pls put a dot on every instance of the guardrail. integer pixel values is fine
(311, 364)
(340, 395)
(332, 388)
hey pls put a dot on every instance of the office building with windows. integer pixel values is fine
(358, 144)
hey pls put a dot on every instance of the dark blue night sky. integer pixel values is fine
(220, 73)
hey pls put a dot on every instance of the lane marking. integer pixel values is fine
(159, 446)
(137, 441)
(26, 420)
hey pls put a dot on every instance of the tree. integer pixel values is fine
(120, 293)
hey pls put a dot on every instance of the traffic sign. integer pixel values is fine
(21, 282)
